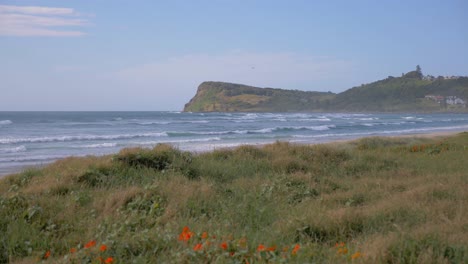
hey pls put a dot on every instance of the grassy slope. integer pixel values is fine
(389, 95)
(393, 200)
(229, 97)
(399, 94)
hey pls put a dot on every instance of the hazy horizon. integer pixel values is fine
(151, 56)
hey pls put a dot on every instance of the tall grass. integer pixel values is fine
(374, 200)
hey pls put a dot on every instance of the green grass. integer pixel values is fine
(398, 200)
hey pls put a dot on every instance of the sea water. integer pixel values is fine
(37, 138)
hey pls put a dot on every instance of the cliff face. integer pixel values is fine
(229, 97)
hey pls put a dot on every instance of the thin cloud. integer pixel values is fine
(171, 82)
(261, 69)
(39, 21)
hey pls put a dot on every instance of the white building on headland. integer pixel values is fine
(450, 100)
(453, 100)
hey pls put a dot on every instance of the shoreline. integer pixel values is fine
(428, 135)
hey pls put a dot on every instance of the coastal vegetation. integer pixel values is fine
(409, 92)
(372, 200)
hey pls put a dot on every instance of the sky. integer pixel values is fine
(121, 55)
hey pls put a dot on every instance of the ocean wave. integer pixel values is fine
(77, 138)
(13, 150)
(385, 132)
(368, 118)
(101, 145)
(149, 123)
(313, 119)
(253, 131)
(178, 141)
(5, 122)
(35, 159)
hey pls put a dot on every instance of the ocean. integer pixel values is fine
(37, 138)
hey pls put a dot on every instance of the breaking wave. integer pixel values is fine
(77, 138)
(102, 145)
(13, 150)
(5, 122)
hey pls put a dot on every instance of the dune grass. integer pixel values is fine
(373, 200)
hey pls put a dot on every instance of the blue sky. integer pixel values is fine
(151, 55)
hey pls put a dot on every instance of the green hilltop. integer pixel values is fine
(411, 92)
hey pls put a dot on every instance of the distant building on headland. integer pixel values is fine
(433, 78)
(449, 100)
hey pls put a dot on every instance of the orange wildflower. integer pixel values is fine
(295, 249)
(90, 244)
(341, 244)
(204, 235)
(198, 247)
(261, 247)
(356, 255)
(342, 250)
(72, 250)
(109, 260)
(224, 245)
(103, 248)
(46, 255)
(186, 234)
(271, 249)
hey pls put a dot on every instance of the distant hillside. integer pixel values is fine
(229, 97)
(410, 92)
(406, 93)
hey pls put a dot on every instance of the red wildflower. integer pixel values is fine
(271, 249)
(295, 249)
(204, 235)
(341, 244)
(224, 245)
(73, 250)
(109, 260)
(261, 247)
(198, 247)
(103, 248)
(186, 234)
(90, 244)
(46, 255)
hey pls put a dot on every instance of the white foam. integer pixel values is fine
(153, 123)
(210, 139)
(13, 150)
(5, 122)
(38, 158)
(102, 145)
(368, 118)
(78, 138)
